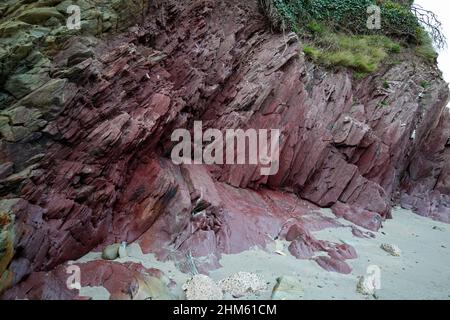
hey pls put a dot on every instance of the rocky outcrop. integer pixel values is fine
(426, 184)
(123, 281)
(86, 144)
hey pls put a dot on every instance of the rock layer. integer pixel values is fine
(86, 144)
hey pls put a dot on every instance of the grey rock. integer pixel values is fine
(111, 252)
(287, 288)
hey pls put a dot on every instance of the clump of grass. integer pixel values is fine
(335, 21)
(311, 52)
(315, 27)
(424, 84)
(362, 53)
(395, 48)
(425, 49)
(383, 104)
(358, 75)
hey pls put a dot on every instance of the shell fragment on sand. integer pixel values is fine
(392, 249)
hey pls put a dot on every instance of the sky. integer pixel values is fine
(442, 9)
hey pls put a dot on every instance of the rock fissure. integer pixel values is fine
(111, 104)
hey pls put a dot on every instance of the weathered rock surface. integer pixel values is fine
(426, 184)
(128, 281)
(85, 137)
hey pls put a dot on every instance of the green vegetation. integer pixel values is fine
(424, 84)
(350, 15)
(358, 75)
(425, 49)
(362, 53)
(312, 52)
(383, 104)
(335, 32)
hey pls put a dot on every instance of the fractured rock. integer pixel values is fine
(335, 265)
(6, 233)
(119, 110)
(39, 15)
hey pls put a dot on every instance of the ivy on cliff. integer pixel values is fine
(336, 32)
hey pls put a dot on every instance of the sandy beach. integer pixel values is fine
(421, 272)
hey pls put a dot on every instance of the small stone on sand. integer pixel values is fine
(392, 249)
(111, 252)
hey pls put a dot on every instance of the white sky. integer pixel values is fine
(442, 9)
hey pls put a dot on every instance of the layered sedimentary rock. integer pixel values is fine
(85, 147)
(426, 184)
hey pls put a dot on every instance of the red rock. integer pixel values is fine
(425, 188)
(106, 175)
(342, 252)
(335, 265)
(301, 249)
(363, 218)
(116, 277)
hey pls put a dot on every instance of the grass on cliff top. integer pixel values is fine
(362, 53)
(335, 32)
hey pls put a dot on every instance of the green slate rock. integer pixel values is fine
(40, 16)
(6, 232)
(10, 28)
(20, 85)
(46, 97)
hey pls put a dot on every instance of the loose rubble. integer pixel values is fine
(242, 283)
(202, 287)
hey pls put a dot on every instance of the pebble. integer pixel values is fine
(365, 286)
(392, 249)
(111, 252)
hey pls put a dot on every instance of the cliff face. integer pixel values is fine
(86, 154)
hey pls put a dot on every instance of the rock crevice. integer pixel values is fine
(100, 140)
